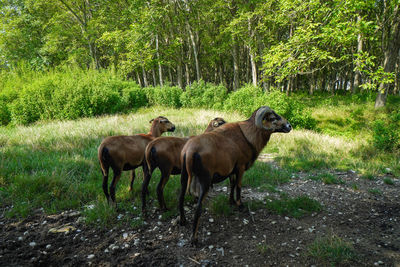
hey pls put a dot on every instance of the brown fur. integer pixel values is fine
(228, 150)
(123, 153)
(164, 153)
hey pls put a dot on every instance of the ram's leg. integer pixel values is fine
(105, 183)
(232, 183)
(132, 180)
(239, 177)
(184, 182)
(203, 192)
(145, 174)
(160, 189)
(117, 175)
(145, 188)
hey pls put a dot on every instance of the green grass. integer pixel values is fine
(220, 206)
(375, 191)
(294, 207)
(388, 181)
(333, 250)
(326, 178)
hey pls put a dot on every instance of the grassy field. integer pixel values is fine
(54, 166)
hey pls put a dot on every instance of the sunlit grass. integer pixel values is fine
(332, 250)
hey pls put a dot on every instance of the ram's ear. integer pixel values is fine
(151, 120)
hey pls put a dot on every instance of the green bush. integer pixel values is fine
(386, 136)
(133, 96)
(249, 98)
(167, 96)
(75, 94)
(204, 95)
(245, 100)
(5, 115)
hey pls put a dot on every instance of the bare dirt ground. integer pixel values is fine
(369, 222)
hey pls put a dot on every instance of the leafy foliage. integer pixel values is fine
(204, 95)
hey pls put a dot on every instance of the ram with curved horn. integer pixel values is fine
(231, 149)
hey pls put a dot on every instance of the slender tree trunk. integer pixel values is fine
(179, 74)
(187, 74)
(138, 79)
(235, 55)
(160, 75)
(153, 72)
(357, 76)
(146, 84)
(252, 57)
(392, 50)
(195, 51)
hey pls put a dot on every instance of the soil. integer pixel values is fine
(369, 222)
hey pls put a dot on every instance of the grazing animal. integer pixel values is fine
(228, 150)
(164, 153)
(123, 153)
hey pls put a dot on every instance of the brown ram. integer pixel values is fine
(230, 149)
(123, 153)
(164, 153)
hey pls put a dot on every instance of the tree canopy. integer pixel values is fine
(331, 45)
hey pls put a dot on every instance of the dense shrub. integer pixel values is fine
(204, 95)
(75, 94)
(167, 96)
(386, 136)
(249, 98)
(133, 96)
(5, 115)
(245, 100)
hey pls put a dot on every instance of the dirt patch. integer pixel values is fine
(364, 213)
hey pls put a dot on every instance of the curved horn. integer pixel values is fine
(260, 115)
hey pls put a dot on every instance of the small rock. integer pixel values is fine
(273, 222)
(388, 170)
(125, 235)
(181, 243)
(114, 247)
(32, 244)
(48, 246)
(136, 242)
(287, 218)
(299, 228)
(208, 233)
(211, 220)
(44, 222)
(26, 232)
(20, 238)
(91, 256)
(106, 250)
(245, 221)
(119, 217)
(221, 250)
(210, 246)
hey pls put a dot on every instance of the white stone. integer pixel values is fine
(32, 244)
(91, 256)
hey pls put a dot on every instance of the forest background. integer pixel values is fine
(328, 66)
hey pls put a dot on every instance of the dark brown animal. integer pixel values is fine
(228, 150)
(123, 153)
(164, 153)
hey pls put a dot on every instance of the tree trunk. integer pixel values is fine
(235, 54)
(146, 84)
(392, 50)
(357, 76)
(138, 79)
(160, 75)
